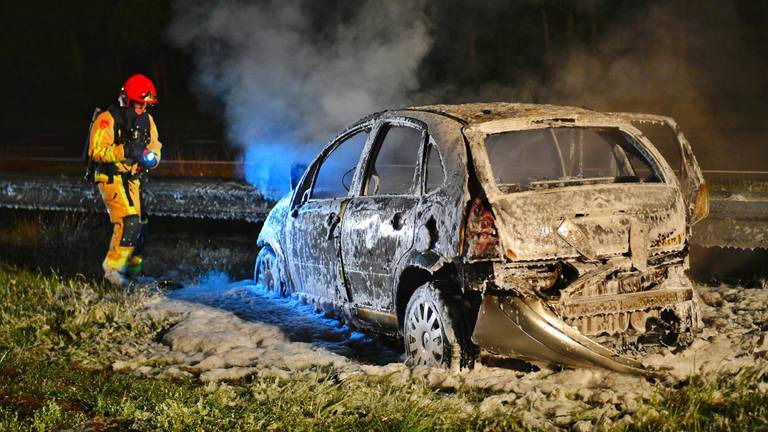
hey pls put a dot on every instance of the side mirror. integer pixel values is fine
(297, 170)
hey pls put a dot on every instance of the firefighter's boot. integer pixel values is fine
(115, 277)
(135, 265)
(115, 266)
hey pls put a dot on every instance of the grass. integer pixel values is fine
(59, 335)
(722, 403)
(73, 318)
(59, 396)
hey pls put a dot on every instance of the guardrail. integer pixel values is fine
(162, 197)
(736, 220)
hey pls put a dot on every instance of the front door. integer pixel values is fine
(314, 223)
(378, 226)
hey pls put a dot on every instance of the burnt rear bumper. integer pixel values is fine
(525, 327)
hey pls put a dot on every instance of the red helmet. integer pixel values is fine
(139, 88)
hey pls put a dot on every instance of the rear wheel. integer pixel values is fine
(267, 272)
(434, 332)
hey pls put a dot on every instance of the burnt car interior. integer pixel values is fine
(552, 157)
(394, 161)
(434, 173)
(329, 182)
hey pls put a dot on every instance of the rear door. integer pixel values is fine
(314, 222)
(378, 227)
(667, 137)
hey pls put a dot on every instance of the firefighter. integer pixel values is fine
(123, 144)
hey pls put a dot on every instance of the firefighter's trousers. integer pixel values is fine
(122, 197)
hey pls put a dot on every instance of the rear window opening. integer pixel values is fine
(566, 156)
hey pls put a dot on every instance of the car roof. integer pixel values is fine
(474, 113)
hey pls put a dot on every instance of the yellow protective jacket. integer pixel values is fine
(104, 149)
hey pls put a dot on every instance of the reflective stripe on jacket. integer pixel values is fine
(103, 147)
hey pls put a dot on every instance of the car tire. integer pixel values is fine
(434, 330)
(266, 272)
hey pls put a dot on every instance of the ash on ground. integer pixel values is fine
(229, 331)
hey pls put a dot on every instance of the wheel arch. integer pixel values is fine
(271, 244)
(270, 240)
(273, 229)
(417, 269)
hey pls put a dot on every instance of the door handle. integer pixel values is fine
(397, 221)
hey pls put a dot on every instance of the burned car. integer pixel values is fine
(546, 233)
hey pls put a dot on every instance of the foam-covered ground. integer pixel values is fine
(297, 321)
(226, 331)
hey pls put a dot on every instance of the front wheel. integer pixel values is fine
(434, 331)
(267, 272)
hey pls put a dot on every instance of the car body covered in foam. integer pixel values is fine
(548, 233)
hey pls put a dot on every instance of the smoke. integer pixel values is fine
(286, 75)
(645, 61)
(684, 59)
(286, 80)
(690, 60)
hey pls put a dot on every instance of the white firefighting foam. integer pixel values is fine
(226, 331)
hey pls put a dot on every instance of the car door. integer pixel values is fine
(667, 137)
(378, 227)
(314, 221)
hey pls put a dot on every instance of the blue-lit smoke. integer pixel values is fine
(267, 166)
(288, 81)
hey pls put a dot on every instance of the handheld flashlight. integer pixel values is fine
(148, 159)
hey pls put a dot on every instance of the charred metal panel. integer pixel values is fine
(384, 319)
(575, 236)
(377, 233)
(378, 228)
(313, 225)
(473, 113)
(313, 244)
(639, 244)
(444, 208)
(435, 216)
(530, 223)
(525, 327)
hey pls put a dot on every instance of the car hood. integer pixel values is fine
(591, 221)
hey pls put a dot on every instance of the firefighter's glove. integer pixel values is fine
(137, 152)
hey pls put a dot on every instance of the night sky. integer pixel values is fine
(61, 59)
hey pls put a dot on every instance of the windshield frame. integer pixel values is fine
(476, 135)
